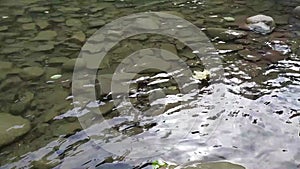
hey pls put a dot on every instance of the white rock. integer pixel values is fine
(261, 24)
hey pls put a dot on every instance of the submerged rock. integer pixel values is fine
(28, 26)
(5, 65)
(225, 34)
(30, 73)
(74, 23)
(45, 47)
(10, 82)
(261, 24)
(3, 28)
(79, 36)
(70, 64)
(45, 35)
(42, 24)
(12, 127)
(23, 102)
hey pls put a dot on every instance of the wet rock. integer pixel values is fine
(23, 102)
(79, 36)
(188, 54)
(50, 114)
(225, 34)
(38, 9)
(250, 55)
(74, 23)
(58, 19)
(199, 22)
(10, 82)
(97, 9)
(140, 37)
(69, 65)
(5, 65)
(45, 47)
(261, 24)
(68, 9)
(229, 47)
(216, 165)
(10, 50)
(147, 64)
(43, 163)
(3, 28)
(96, 23)
(174, 13)
(147, 23)
(28, 26)
(171, 48)
(243, 41)
(42, 24)
(66, 128)
(24, 20)
(45, 36)
(51, 71)
(106, 108)
(213, 20)
(296, 12)
(9, 34)
(57, 61)
(281, 19)
(114, 166)
(30, 73)
(156, 94)
(273, 56)
(12, 127)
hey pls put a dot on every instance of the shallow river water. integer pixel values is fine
(245, 111)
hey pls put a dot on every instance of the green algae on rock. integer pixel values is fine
(12, 127)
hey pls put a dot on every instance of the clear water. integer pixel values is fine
(254, 122)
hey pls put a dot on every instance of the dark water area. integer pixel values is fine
(247, 117)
